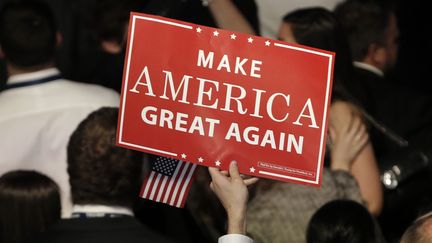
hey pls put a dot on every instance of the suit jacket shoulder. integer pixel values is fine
(103, 230)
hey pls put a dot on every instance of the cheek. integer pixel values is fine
(392, 52)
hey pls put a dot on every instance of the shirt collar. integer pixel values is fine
(102, 209)
(369, 67)
(25, 77)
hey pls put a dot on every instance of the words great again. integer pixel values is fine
(183, 122)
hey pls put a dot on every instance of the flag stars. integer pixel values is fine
(233, 36)
(215, 33)
(252, 169)
(183, 156)
(198, 30)
(250, 39)
(267, 43)
(200, 159)
(218, 163)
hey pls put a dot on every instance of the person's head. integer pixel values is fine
(110, 20)
(342, 221)
(372, 31)
(99, 171)
(29, 203)
(318, 28)
(27, 34)
(420, 231)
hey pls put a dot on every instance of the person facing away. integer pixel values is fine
(318, 27)
(373, 38)
(352, 163)
(29, 204)
(343, 221)
(105, 181)
(39, 109)
(420, 230)
(373, 35)
(103, 64)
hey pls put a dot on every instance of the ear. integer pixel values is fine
(377, 55)
(59, 39)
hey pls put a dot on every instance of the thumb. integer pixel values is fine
(234, 171)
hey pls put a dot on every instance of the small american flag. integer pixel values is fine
(169, 182)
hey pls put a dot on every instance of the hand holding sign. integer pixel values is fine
(211, 96)
(233, 193)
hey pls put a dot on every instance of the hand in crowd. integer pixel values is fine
(232, 191)
(347, 142)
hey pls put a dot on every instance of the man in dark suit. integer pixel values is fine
(105, 181)
(373, 35)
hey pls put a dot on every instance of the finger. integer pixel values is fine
(360, 136)
(364, 140)
(332, 132)
(363, 129)
(358, 147)
(233, 171)
(353, 125)
(224, 172)
(250, 181)
(348, 124)
(358, 128)
(215, 174)
(243, 176)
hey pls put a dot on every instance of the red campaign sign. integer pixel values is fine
(210, 96)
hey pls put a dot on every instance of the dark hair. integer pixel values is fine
(318, 27)
(110, 18)
(419, 231)
(99, 171)
(29, 203)
(365, 23)
(342, 221)
(27, 33)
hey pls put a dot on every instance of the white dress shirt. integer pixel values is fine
(101, 210)
(37, 120)
(235, 238)
(369, 67)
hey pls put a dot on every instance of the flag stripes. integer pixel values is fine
(169, 181)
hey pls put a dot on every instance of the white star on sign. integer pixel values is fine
(183, 156)
(200, 159)
(218, 163)
(267, 43)
(198, 30)
(233, 37)
(250, 40)
(215, 33)
(252, 169)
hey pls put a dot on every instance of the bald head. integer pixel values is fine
(420, 231)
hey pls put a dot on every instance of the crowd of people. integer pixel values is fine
(63, 179)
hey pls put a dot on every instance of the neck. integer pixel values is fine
(111, 47)
(373, 63)
(14, 70)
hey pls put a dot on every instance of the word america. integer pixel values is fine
(208, 91)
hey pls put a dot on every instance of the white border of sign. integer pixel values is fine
(320, 154)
